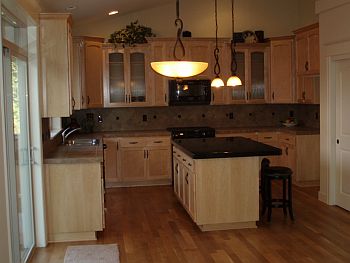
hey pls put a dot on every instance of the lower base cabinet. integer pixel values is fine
(133, 161)
(74, 201)
(301, 153)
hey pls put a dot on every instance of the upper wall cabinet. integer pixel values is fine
(282, 70)
(87, 90)
(307, 50)
(253, 69)
(308, 64)
(56, 64)
(126, 80)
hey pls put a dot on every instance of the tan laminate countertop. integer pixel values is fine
(88, 154)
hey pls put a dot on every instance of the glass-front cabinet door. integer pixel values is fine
(252, 69)
(238, 93)
(258, 75)
(116, 77)
(125, 76)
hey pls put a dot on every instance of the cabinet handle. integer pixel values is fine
(133, 142)
(189, 164)
(304, 95)
(147, 154)
(268, 137)
(73, 103)
(165, 98)
(306, 65)
(286, 150)
(184, 160)
(157, 141)
(186, 178)
(178, 155)
(247, 95)
(88, 100)
(177, 168)
(273, 95)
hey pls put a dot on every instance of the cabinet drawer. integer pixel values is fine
(132, 142)
(188, 162)
(267, 137)
(286, 138)
(158, 141)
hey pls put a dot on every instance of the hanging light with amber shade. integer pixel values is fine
(178, 68)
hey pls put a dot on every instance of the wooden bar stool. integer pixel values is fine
(268, 174)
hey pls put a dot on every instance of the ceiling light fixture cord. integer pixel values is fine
(216, 50)
(179, 24)
(233, 44)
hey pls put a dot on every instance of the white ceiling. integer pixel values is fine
(94, 9)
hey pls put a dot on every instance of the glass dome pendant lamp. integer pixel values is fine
(179, 68)
(217, 81)
(234, 80)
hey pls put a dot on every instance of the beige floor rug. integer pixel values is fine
(92, 254)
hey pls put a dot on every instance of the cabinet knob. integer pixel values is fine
(286, 150)
(186, 178)
(306, 65)
(273, 95)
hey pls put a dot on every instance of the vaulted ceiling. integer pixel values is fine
(94, 9)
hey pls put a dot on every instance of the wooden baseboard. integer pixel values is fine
(227, 226)
(67, 237)
(167, 181)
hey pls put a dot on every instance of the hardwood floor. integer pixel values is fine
(149, 225)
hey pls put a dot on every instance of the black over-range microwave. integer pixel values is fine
(189, 92)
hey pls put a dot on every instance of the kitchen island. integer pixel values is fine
(217, 180)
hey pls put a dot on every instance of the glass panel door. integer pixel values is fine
(17, 133)
(117, 86)
(238, 92)
(137, 77)
(257, 75)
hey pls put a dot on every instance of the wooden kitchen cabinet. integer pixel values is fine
(56, 64)
(74, 201)
(282, 70)
(87, 89)
(308, 64)
(307, 50)
(126, 76)
(253, 70)
(301, 153)
(139, 161)
(110, 160)
(270, 138)
(159, 83)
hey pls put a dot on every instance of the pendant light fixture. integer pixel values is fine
(217, 81)
(178, 68)
(234, 80)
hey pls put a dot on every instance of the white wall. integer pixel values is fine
(334, 22)
(275, 17)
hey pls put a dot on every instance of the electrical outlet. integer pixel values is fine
(231, 115)
(144, 117)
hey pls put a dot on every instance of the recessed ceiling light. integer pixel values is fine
(71, 7)
(113, 12)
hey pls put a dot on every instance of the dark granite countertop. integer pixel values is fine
(296, 130)
(226, 147)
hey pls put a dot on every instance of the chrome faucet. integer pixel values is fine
(68, 132)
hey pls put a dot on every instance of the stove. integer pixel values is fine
(191, 132)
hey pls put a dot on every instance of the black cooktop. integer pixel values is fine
(191, 132)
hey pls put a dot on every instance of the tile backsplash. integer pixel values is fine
(150, 118)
